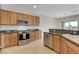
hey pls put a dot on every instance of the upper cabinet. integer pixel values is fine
(4, 17)
(20, 16)
(11, 18)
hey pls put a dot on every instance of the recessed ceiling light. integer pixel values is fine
(34, 6)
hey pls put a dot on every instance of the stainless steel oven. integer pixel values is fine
(23, 38)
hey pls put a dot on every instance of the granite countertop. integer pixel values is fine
(73, 38)
(10, 31)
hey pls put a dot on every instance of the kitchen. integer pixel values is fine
(20, 26)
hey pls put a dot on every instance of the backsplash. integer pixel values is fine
(14, 27)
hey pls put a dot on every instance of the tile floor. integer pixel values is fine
(35, 47)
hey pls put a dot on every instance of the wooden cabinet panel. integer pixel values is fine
(71, 51)
(4, 17)
(14, 39)
(34, 20)
(48, 40)
(13, 17)
(20, 16)
(7, 41)
(32, 36)
(73, 46)
(0, 39)
(56, 42)
(67, 47)
(36, 34)
(30, 20)
(37, 21)
(63, 46)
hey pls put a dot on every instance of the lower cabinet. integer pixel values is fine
(68, 47)
(56, 43)
(9, 39)
(14, 39)
(32, 36)
(7, 42)
(60, 44)
(70, 51)
(63, 46)
(37, 34)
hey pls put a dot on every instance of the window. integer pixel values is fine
(66, 25)
(72, 25)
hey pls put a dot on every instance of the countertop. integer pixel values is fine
(73, 38)
(11, 31)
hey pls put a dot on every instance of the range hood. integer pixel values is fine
(22, 22)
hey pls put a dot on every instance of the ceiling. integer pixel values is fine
(52, 10)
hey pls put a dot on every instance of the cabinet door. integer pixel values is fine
(7, 41)
(71, 51)
(0, 39)
(73, 47)
(56, 39)
(4, 17)
(32, 36)
(14, 39)
(20, 16)
(34, 21)
(36, 34)
(63, 46)
(13, 18)
(30, 20)
(38, 21)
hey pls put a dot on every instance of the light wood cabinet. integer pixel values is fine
(13, 17)
(32, 36)
(37, 21)
(9, 39)
(56, 41)
(30, 20)
(70, 51)
(20, 16)
(14, 39)
(36, 34)
(64, 46)
(34, 20)
(67, 47)
(0, 39)
(73, 47)
(4, 17)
